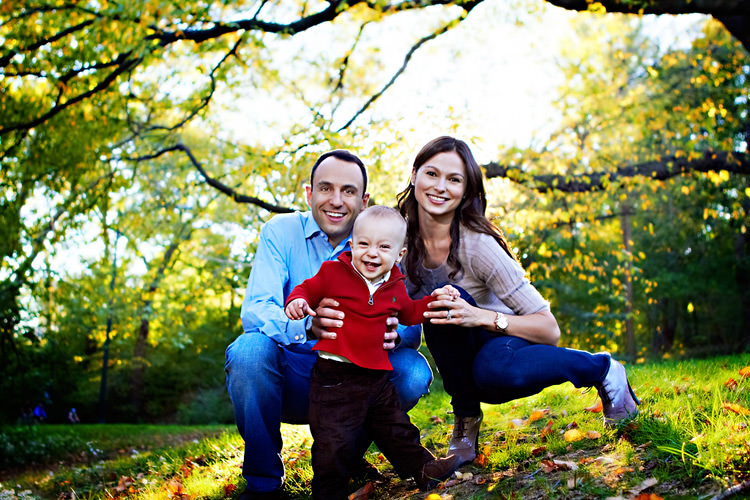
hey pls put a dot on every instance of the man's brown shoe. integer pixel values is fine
(465, 438)
(435, 471)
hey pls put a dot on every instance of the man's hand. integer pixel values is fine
(298, 309)
(389, 342)
(326, 316)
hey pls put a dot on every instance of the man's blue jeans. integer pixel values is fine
(481, 366)
(270, 384)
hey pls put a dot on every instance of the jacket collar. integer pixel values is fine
(346, 258)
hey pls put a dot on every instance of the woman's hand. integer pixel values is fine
(447, 310)
(540, 327)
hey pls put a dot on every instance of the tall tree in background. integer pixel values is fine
(646, 188)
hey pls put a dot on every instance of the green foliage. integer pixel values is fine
(659, 263)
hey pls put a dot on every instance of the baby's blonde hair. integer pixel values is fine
(382, 212)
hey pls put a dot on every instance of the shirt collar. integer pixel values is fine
(312, 229)
(370, 282)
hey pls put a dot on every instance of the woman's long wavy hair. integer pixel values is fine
(469, 213)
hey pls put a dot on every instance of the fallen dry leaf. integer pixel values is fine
(572, 435)
(593, 434)
(547, 429)
(745, 372)
(648, 496)
(436, 420)
(731, 384)
(536, 415)
(646, 484)
(735, 408)
(481, 460)
(539, 451)
(364, 492)
(556, 465)
(596, 408)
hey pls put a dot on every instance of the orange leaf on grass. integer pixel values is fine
(731, 384)
(229, 489)
(745, 372)
(596, 408)
(735, 408)
(547, 429)
(481, 460)
(593, 434)
(648, 496)
(536, 415)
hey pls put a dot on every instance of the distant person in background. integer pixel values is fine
(498, 342)
(40, 414)
(73, 416)
(27, 414)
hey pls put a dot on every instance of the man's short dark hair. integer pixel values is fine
(342, 155)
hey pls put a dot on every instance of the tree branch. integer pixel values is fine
(662, 169)
(123, 62)
(407, 58)
(733, 14)
(216, 184)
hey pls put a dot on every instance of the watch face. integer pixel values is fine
(501, 322)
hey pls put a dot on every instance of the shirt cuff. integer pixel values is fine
(308, 325)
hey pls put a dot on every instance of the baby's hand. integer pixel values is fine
(298, 309)
(448, 292)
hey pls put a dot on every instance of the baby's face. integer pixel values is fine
(376, 247)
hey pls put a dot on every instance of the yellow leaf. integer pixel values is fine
(593, 434)
(745, 372)
(572, 436)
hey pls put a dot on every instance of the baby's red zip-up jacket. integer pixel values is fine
(361, 338)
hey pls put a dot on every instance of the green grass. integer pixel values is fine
(690, 440)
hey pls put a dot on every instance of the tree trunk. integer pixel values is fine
(630, 349)
(141, 340)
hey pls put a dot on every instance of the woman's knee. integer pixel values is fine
(495, 369)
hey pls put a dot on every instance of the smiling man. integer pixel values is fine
(268, 367)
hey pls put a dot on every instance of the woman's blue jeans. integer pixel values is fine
(269, 384)
(481, 366)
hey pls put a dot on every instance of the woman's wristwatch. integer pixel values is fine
(501, 323)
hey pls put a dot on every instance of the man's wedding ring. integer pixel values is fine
(448, 317)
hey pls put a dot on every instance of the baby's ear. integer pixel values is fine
(401, 255)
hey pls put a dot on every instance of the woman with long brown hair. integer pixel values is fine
(499, 341)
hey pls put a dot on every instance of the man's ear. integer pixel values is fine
(401, 255)
(365, 200)
(308, 195)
